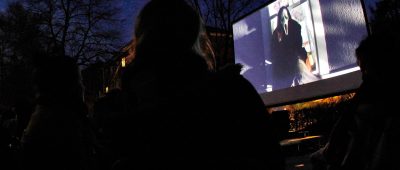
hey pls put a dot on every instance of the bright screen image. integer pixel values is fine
(289, 46)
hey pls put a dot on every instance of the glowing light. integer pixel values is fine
(293, 141)
(123, 62)
(269, 88)
(299, 166)
(107, 89)
(340, 73)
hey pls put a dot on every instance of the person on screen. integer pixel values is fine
(185, 113)
(367, 138)
(287, 51)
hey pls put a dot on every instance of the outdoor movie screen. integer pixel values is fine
(289, 45)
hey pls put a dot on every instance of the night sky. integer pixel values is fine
(3, 4)
(129, 10)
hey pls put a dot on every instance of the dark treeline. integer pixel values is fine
(31, 29)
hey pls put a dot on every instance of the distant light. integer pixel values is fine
(299, 166)
(268, 62)
(269, 87)
(123, 62)
(339, 73)
(107, 89)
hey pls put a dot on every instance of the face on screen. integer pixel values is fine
(310, 42)
(284, 21)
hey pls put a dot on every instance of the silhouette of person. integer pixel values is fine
(286, 50)
(184, 113)
(281, 123)
(108, 113)
(58, 135)
(368, 136)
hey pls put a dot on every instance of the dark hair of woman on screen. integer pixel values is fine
(181, 112)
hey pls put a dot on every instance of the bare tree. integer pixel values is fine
(85, 30)
(219, 15)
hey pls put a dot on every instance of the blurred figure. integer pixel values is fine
(289, 59)
(57, 136)
(368, 137)
(281, 123)
(183, 113)
(6, 161)
(108, 115)
(23, 109)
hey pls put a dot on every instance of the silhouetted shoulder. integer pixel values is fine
(232, 69)
(237, 90)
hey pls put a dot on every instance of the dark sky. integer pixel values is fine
(129, 10)
(3, 4)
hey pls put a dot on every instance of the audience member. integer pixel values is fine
(281, 123)
(57, 135)
(108, 114)
(367, 138)
(183, 113)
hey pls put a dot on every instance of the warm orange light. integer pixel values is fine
(123, 62)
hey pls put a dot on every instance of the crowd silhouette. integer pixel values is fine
(58, 135)
(175, 110)
(367, 136)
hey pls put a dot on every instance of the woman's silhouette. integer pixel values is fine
(182, 113)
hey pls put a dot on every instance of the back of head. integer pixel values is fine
(376, 53)
(169, 35)
(376, 56)
(58, 79)
(168, 25)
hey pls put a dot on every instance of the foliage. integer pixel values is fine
(19, 42)
(85, 30)
(319, 116)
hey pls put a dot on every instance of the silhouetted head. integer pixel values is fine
(376, 57)
(283, 19)
(169, 27)
(57, 79)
